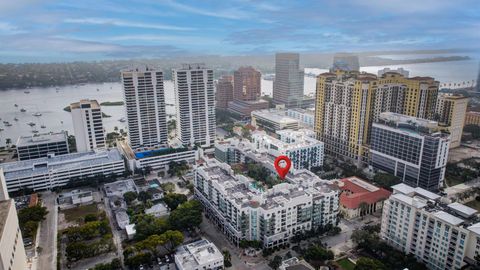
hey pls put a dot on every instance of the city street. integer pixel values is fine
(48, 233)
(209, 231)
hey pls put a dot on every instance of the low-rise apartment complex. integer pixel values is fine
(201, 254)
(300, 146)
(417, 222)
(243, 210)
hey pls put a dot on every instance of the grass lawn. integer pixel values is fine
(345, 264)
(453, 181)
(474, 204)
(80, 212)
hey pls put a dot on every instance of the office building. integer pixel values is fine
(305, 116)
(451, 111)
(201, 254)
(40, 145)
(246, 84)
(413, 149)
(300, 146)
(244, 210)
(87, 125)
(343, 113)
(156, 158)
(289, 79)
(12, 251)
(195, 100)
(359, 198)
(295, 264)
(416, 96)
(472, 118)
(442, 236)
(244, 109)
(345, 62)
(224, 94)
(57, 171)
(273, 120)
(403, 72)
(144, 96)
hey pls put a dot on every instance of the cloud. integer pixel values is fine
(188, 39)
(9, 29)
(30, 43)
(231, 13)
(123, 23)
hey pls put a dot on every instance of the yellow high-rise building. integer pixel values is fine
(343, 113)
(415, 96)
(348, 102)
(450, 112)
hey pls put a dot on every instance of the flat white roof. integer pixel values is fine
(130, 229)
(467, 211)
(426, 193)
(453, 220)
(403, 188)
(475, 228)
(413, 201)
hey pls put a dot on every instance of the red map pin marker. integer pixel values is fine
(282, 171)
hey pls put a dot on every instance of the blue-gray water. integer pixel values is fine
(51, 101)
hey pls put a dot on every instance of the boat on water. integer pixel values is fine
(15, 119)
(37, 114)
(98, 89)
(31, 124)
(43, 126)
(8, 125)
(26, 92)
(122, 119)
(16, 105)
(5, 122)
(34, 131)
(1, 129)
(23, 110)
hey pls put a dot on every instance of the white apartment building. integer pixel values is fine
(55, 171)
(244, 211)
(300, 146)
(305, 116)
(156, 158)
(195, 100)
(144, 96)
(12, 251)
(40, 145)
(198, 255)
(417, 222)
(87, 125)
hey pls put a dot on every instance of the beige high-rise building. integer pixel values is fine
(472, 118)
(450, 111)
(343, 113)
(246, 84)
(12, 251)
(349, 101)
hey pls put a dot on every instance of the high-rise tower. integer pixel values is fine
(195, 99)
(145, 107)
(288, 83)
(224, 93)
(87, 125)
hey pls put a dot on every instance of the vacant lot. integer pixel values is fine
(345, 264)
(80, 212)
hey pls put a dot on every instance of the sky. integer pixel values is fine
(87, 30)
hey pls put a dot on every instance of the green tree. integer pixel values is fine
(144, 196)
(227, 258)
(188, 215)
(386, 180)
(172, 200)
(474, 129)
(365, 263)
(168, 187)
(129, 197)
(147, 225)
(171, 239)
(317, 255)
(275, 262)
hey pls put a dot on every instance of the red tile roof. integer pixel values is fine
(353, 194)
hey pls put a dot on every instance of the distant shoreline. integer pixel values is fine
(111, 75)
